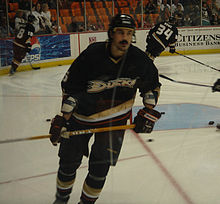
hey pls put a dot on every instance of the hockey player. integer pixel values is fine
(99, 91)
(21, 44)
(216, 86)
(162, 35)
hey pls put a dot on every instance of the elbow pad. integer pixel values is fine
(69, 105)
(151, 97)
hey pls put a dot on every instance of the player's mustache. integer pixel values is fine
(123, 42)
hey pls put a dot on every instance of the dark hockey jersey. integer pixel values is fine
(23, 35)
(161, 36)
(105, 87)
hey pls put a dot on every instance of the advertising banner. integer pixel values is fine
(88, 38)
(199, 38)
(43, 48)
(6, 52)
(202, 38)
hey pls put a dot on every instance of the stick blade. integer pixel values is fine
(165, 77)
(35, 68)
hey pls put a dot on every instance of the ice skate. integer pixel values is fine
(12, 71)
(58, 201)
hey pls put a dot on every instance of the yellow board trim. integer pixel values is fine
(191, 52)
(27, 67)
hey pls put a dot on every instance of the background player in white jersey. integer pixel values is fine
(99, 90)
(162, 35)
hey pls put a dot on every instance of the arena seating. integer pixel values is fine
(96, 11)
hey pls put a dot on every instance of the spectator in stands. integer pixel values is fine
(164, 14)
(189, 13)
(178, 11)
(81, 27)
(151, 7)
(73, 26)
(159, 3)
(194, 14)
(179, 19)
(40, 25)
(174, 6)
(187, 20)
(91, 27)
(99, 25)
(46, 13)
(19, 19)
(206, 12)
(4, 28)
(214, 19)
(52, 4)
(2, 6)
(36, 9)
(46, 16)
(164, 5)
(215, 8)
(148, 23)
(138, 8)
(65, 4)
(25, 5)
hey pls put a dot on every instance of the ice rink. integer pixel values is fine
(180, 166)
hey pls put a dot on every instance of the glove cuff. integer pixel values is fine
(150, 114)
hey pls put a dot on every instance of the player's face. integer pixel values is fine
(122, 38)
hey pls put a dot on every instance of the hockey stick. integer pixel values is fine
(35, 68)
(198, 62)
(71, 133)
(183, 82)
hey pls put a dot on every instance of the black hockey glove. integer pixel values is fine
(172, 49)
(216, 86)
(145, 120)
(55, 129)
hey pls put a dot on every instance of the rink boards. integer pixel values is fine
(61, 49)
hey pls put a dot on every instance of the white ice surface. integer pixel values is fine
(178, 167)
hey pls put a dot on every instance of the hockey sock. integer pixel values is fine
(92, 187)
(65, 183)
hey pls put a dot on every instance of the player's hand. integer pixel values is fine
(56, 127)
(172, 50)
(145, 120)
(216, 86)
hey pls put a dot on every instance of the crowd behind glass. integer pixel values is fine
(67, 16)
